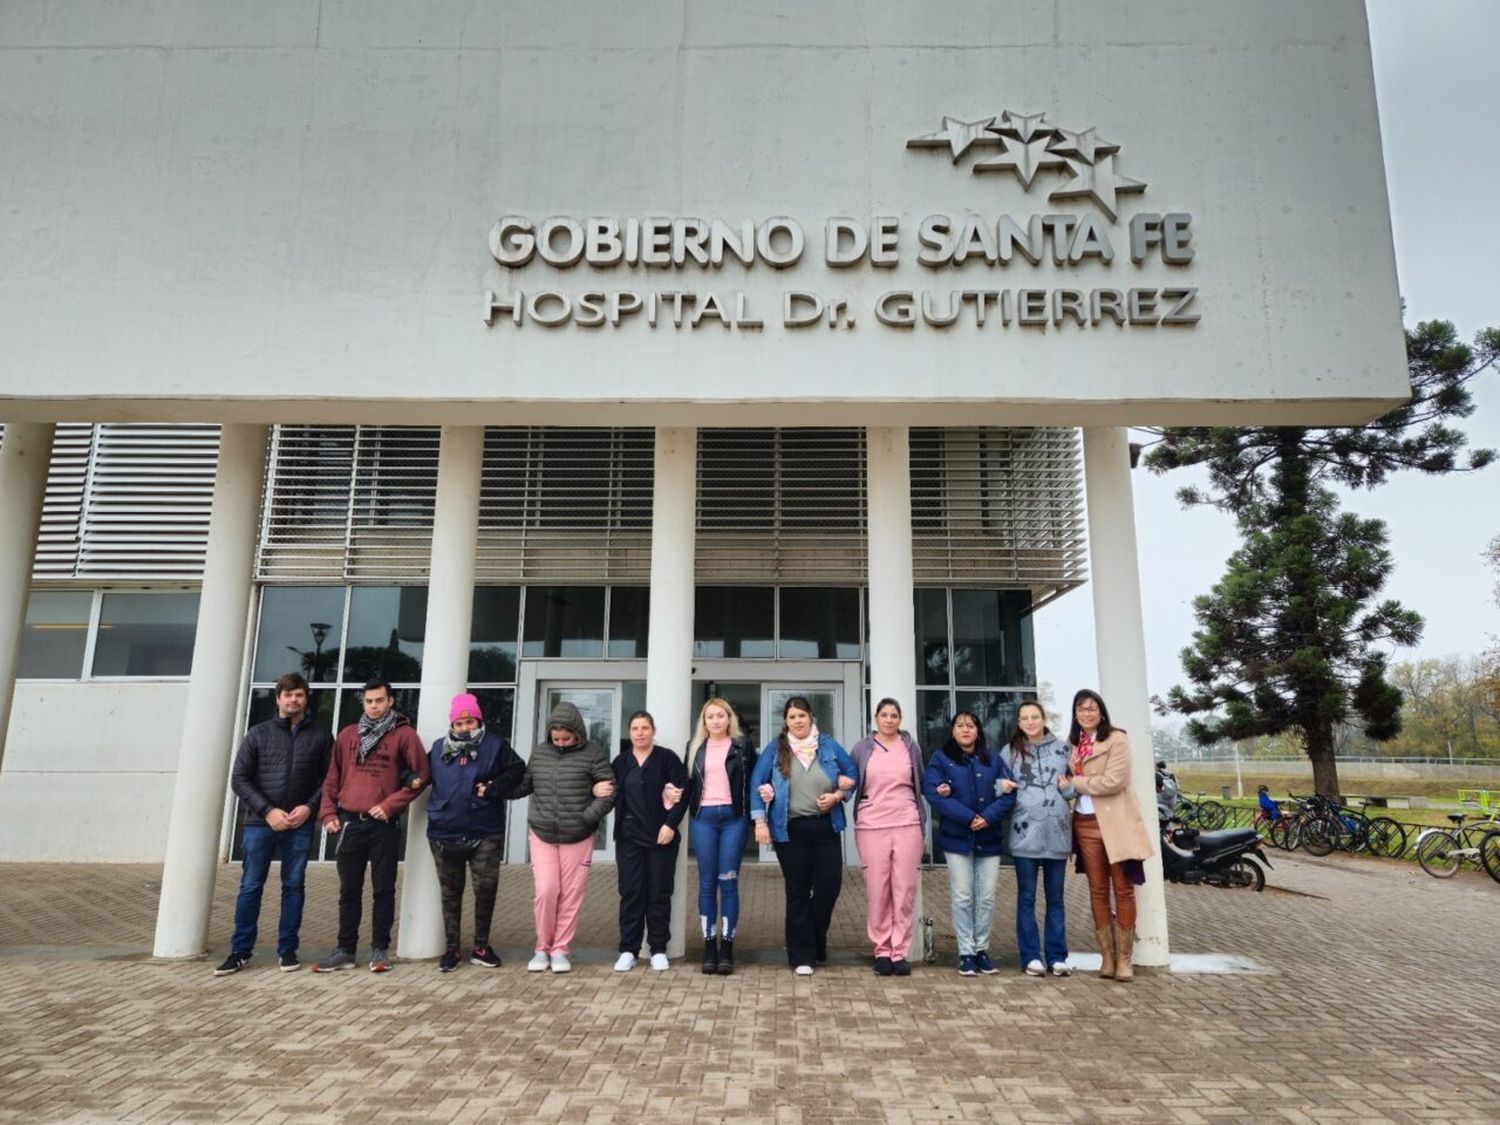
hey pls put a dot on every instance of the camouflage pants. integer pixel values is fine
(454, 859)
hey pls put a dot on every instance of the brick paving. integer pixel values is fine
(1380, 1002)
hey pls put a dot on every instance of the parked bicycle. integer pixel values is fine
(1442, 851)
(1200, 812)
(1489, 854)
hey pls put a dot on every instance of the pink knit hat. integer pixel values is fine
(464, 706)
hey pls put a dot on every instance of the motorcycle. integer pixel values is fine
(1226, 858)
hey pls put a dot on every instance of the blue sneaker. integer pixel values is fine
(967, 966)
(983, 963)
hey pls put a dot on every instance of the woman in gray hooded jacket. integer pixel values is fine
(1041, 837)
(571, 787)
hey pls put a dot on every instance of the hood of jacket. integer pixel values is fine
(566, 715)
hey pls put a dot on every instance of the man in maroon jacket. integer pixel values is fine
(363, 797)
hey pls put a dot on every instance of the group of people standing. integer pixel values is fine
(1063, 799)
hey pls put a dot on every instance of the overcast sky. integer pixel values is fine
(1438, 120)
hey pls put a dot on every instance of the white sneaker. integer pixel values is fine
(1035, 968)
(561, 964)
(660, 963)
(803, 970)
(625, 962)
(1061, 969)
(539, 962)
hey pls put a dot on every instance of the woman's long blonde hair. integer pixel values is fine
(700, 736)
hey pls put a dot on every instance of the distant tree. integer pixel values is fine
(1293, 638)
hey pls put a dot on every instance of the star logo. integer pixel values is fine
(1087, 146)
(1097, 182)
(960, 136)
(1029, 145)
(1024, 158)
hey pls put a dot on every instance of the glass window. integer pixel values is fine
(732, 621)
(386, 626)
(564, 621)
(263, 706)
(988, 641)
(629, 617)
(499, 706)
(933, 716)
(492, 635)
(996, 711)
(56, 634)
(299, 632)
(146, 634)
(818, 623)
(932, 637)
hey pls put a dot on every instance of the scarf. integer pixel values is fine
(806, 749)
(372, 732)
(462, 743)
(1084, 751)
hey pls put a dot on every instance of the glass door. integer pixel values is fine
(599, 704)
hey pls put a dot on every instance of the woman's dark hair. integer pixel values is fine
(1020, 745)
(634, 715)
(783, 743)
(1105, 729)
(981, 747)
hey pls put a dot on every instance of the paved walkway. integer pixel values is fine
(1380, 1002)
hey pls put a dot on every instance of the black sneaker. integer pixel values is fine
(983, 963)
(884, 967)
(288, 962)
(232, 964)
(901, 967)
(484, 955)
(450, 961)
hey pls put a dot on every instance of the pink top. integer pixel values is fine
(890, 799)
(715, 773)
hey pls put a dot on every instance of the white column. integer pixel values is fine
(893, 646)
(445, 664)
(207, 747)
(1120, 642)
(669, 641)
(25, 453)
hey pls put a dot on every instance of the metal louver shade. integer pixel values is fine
(127, 500)
(566, 505)
(784, 506)
(996, 507)
(349, 502)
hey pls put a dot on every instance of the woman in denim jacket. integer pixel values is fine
(805, 777)
(964, 786)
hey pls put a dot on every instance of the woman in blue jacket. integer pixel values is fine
(473, 772)
(798, 790)
(964, 787)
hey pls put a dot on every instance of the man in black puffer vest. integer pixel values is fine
(278, 774)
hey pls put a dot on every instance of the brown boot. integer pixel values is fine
(1106, 938)
(1124, 946)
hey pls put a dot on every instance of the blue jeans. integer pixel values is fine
(719, 841)
(1054, 872)
(261, 845)
(971, 882)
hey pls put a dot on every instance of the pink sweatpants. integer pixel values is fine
(560, 873)
(892, 859)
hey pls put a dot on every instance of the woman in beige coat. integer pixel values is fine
(1109, 836)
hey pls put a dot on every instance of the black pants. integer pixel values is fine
(376, 843)
(454, 859)
(646, 874)
(812, 868)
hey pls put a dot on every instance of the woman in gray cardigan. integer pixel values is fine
(1041, 837)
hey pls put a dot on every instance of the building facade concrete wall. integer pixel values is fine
(89, 769)
(281, 210)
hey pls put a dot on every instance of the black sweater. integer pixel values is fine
(280, 768)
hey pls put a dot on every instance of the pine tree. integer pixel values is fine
(1291, 638)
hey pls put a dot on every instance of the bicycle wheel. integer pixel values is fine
(1318, 835)
(1387, 837)
(1211, 815)
(1438, 854)
(1489, 854)
(1282, 834)
(1245, 875)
